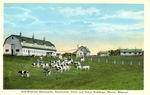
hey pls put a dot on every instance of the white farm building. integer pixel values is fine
(25, 46)
(82, 51)
(129, 52)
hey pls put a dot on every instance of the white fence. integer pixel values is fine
(123, 62)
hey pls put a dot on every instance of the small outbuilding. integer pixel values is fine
(131, 52)
(103, 53)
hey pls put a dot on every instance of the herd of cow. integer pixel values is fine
(59, 65)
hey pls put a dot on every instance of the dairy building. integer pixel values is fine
(25, 46)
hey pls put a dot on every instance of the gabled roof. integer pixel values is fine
(84, 48)
(32, 40)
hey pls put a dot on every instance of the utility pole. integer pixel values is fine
(76, 50)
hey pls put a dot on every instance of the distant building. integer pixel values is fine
(103, 53)
(25, 46)
(130, 51)
(82, 51)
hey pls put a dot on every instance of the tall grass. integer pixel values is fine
(101, 76)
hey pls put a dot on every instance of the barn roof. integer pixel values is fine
(38, 48)
(32, 40)
(130, 50)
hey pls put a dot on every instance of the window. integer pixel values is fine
(80, 53)
(17, 50)
(7, 50)
(12, 37)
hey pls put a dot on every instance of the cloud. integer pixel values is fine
(23, 15)
(10, 23)
(79, 22)
(39, 8)
(78, 11)
(107, 27)
(139, 15)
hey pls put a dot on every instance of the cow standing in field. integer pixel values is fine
(82, 59)
(47, 71)
(23, 73)
(86, 67)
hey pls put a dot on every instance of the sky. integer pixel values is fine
(99, 27)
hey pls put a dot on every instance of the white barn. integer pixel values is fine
(82, 51)
(129, 52)
(25, 46)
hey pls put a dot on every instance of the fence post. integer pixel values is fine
(106, 60)
(122, 62)
(91, 58)
(98, 59)
(114, 61)
(139, 63)
(131, 63)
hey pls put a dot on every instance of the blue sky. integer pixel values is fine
(100, 27)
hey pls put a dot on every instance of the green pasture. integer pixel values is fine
(101, 76)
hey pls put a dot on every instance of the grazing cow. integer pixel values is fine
(52, 65)
(79, 67)
(77, 63)
(36, 64)
(23, 73)
(69, 61)
(67, 67)
(86, 67)
(64, 68)
(58, 68)
(48, 71)
(46, 64)
(43, 65)
(82, 59)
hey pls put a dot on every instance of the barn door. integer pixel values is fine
(29, 52)
(12, 49)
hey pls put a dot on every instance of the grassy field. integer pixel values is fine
(101, 76)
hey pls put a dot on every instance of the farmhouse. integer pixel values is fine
(130, 51)
(82, 51)
(103, 53)
(25, 46)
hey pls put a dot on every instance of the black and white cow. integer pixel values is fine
(77, 63)
(47, 71)
(36, 65)
(82, 59)
(23, 73)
